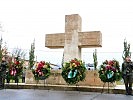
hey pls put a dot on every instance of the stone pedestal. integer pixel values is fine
(29, 77)
(54, 79)
(92, 79)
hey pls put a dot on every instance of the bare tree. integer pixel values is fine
(18, 53)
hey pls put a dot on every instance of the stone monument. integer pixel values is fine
(73, 39)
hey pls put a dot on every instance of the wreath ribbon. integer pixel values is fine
(13, 72)
(110, 74)
(72, 74)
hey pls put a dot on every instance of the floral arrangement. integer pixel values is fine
(15, 64)
(73, 71)
(15, 68)
(110, 71)
(42, 71)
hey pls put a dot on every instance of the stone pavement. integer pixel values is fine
(35, 94)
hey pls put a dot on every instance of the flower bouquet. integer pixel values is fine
(73, 71)
(110, 71)
(15, 69)
(42, 71)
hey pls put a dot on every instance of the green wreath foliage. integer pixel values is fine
(73, 71)
(110, 71)
(42, 71)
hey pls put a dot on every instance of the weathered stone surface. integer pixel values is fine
(90, 39)
(73, 22)
(55, 40)
(73, 39)
(92, 79)
(29, 77)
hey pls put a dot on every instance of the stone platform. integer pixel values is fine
(92, 79)
(118, 89)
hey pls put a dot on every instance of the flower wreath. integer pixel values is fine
(42, 71)
(73, 71)
(110, 71)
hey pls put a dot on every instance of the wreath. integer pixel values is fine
(110, 71)
(73, 71)
(42, 71)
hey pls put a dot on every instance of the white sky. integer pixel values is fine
(24, 20)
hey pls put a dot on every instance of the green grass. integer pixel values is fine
(119, 83)
(13, 81)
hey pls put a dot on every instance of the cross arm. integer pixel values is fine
(55, 40)
(90, 39)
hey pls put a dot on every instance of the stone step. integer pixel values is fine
(118, 89)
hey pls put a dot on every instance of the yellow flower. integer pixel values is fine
(74, 65)
(45, 66)
(70, 66)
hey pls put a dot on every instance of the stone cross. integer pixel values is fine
(73, 39)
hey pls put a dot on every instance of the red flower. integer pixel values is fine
(40, 65)
(75, 61)
(111, 62)
(17, 62)
(113, 69)
(72, 61)
(108, 67)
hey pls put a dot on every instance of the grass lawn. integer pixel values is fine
(120, 82)
(13, 81)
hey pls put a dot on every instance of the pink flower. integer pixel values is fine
(13, 72)
(40, 73)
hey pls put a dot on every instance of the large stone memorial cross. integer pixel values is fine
(73, 39)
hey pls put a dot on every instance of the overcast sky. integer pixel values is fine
(24, 20)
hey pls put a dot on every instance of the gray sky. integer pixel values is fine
(24, 20)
